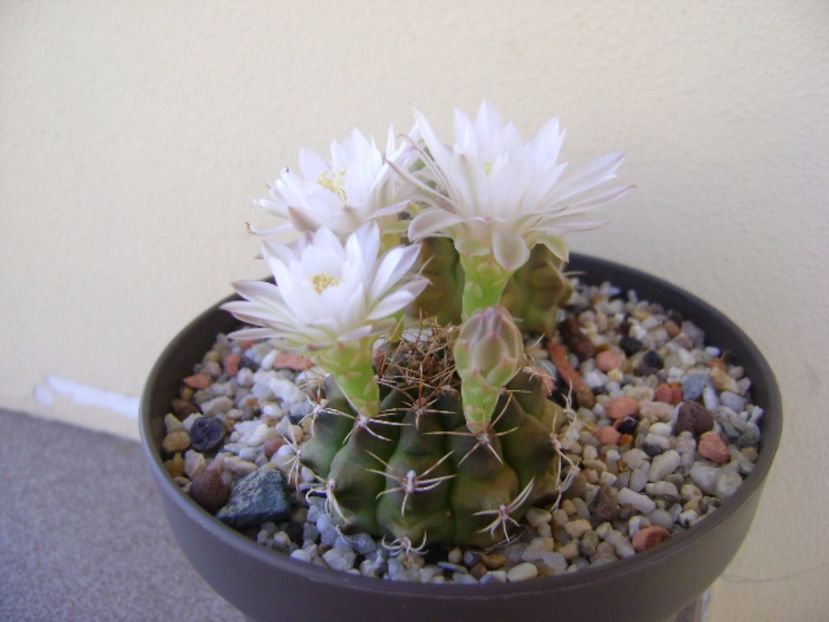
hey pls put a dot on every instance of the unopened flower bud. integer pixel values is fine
(489, 346)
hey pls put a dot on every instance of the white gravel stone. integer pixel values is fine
(663, 465)
(194, 463)
(537, 516)
(705, 477)
(339, 559)
(634, 458)
(522, 572)
(686, 446)
(662, 518)
(554, 561)
(301, 555)
(710, 399)
(217, 406)
(689, 491)
(643, 503)
(656, 440)
(662, 429)
(621, 544)
(728, 484)
(688, 518)
(662, 489)
(577, 528)
(639, 478)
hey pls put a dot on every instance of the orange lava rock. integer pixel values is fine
(648, 537)
(197, 381)
(622, 407)
(272, 445)
(291, 360)
(608, 435)
(571, 377)
(663, 393)
(676, 394)
(607, 360)
(712, 446)
(231, 363)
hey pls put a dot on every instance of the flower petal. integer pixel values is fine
(510, 250)
(432, 221)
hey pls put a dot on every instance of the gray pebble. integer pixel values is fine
(694, 385)
(733, 401)
(256, 498)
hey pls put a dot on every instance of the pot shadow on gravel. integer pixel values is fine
(82, 534)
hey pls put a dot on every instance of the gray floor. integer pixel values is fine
(82, 535)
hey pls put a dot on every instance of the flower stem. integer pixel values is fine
(351, 366)
(484, 282)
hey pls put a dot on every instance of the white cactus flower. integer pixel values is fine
(327, 292)
(357, 186)
(498, 194)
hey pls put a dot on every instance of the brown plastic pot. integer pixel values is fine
(653, 585)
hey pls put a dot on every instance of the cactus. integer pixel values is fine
(416, 471)
(532, 295)
(443, 435)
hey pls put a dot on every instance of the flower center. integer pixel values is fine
(487, 167)
(335, 183)
(323, 281)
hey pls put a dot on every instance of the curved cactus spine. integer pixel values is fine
(532, 294)
(416, 472)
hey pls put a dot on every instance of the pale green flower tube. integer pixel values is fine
(351, 366)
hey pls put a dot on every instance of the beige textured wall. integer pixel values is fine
(133, 133)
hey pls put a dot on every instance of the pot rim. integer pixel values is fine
(772, 429)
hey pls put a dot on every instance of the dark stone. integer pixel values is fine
(588, 544)
(674, 316)
(575, 339)
(605, 506)
(184, 408)
(651, 363)
(749, 438)
(436, 554)
(652, 450)
(627, 425)
(258, 497)
(630, 345)
(209, 490)
(207, 433)
(693, 417)
(693, 386)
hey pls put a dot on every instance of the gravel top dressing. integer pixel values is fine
(660, 430)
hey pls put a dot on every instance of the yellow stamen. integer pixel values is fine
(335, 183)
(487, 167)
(323, 281)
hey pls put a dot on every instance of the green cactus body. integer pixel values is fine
(440, 263)
(532, 294)
(416, 472)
